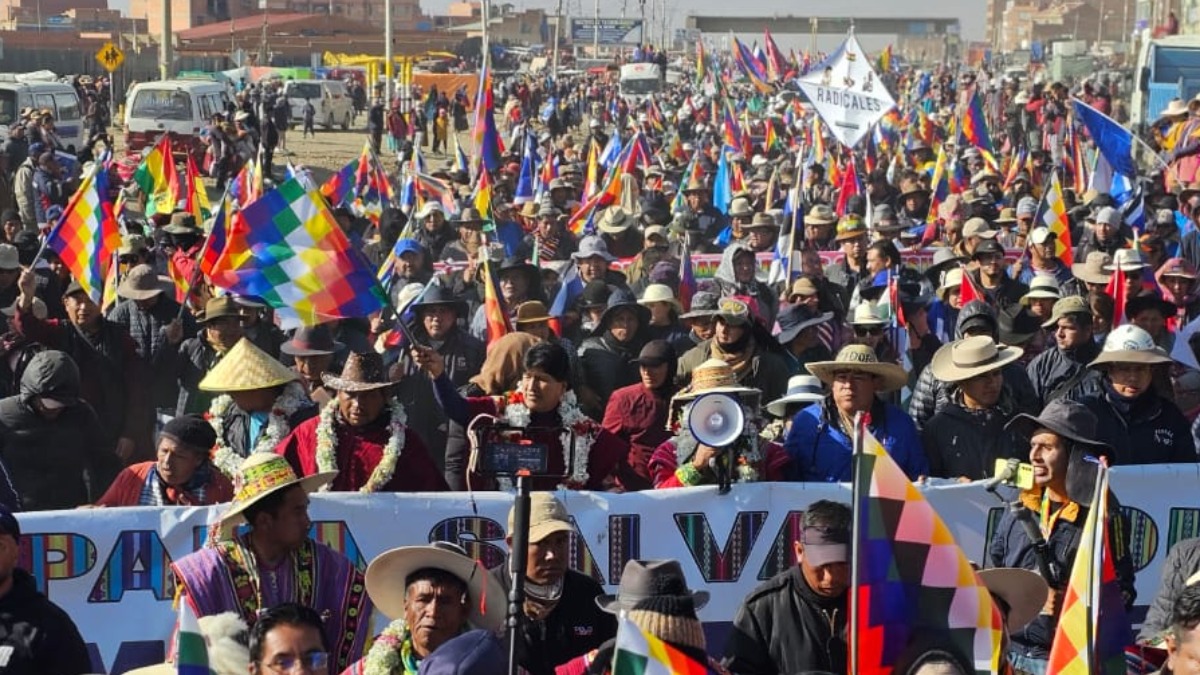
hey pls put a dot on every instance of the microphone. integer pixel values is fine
(1005, 473)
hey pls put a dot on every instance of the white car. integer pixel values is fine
(329, 98)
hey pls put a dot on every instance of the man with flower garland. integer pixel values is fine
(588, 456)
(362, 434)
(260, 401)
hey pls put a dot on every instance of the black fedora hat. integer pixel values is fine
(1017, 325)
(437, 296)
(1071, 420)
(644, 579)
(312, 341)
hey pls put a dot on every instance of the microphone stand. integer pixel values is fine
(518, 558)
(1047, 567)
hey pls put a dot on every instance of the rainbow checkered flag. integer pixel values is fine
(910, 578)
(86, 236)
(640, 653)
(297, 260)
(191, 651)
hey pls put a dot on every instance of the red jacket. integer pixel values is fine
(637, 414)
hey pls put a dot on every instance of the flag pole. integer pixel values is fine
(62, 218)
(855, 528)
(197, 273)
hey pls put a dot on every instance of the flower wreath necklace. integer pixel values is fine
(228, 460)
(327, 446)
(518, 414)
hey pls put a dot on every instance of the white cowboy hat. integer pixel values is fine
(660, 293)
(969, 357)
(388, 573)
(1022, 590)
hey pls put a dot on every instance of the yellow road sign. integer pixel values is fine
(110, 56)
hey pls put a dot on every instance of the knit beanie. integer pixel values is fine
(672, 619)
(191, 430)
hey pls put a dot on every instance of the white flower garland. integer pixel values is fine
(226, 459)
(327, 446)
(385, 657)
(517, 414)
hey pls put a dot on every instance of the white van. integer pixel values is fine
(58, 97)
(329, 98)
(183, 107)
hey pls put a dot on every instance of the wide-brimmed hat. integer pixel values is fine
(970, 357)
(740, 208)
(820, 214)
(387, 581)
(362, 372)
(1042, 286)
(660, 293)
(1016, 325)
(141, 283)
(1178, 267)
(10, 258)
(182, 223)
(533, 311)
(910, 187)
(1126, 260)
(312, 341)
(131, 244)
(1094, 268)
(429, 208)
(246, 368)
(695, 185)
(714, 376)
(616, 220)
(1065, 418)
(861, 358)
(944, 259)
(265, 473)
(850, 227)
(219, 308)
(1175, 107)
(618, 300)
(952, 279)
(1063, 307)
(800, 389)
(1007, 216)
(437, 296)
(704, 304)
(1024, 592)
(1129, 344)
(867, 313)
(644, 579)
(762, 220)
(469, 217)
(591, 247)
(795, 319)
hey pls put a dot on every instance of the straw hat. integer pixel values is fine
(740, 208)
(820, 214)
(1094, 269)
(714, 376)
(1175, 108)
(362, 372)
(246, 368)
(1129, 344)
(140, 284)
(862, 359)
(263, 474)
(660, 293)
(969, 357)
(388, 573)
(867, 314)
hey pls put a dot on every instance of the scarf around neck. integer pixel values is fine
(738, 355)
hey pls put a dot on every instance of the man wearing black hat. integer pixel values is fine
(518, 281)
(1001, 289)
(796, 622)
(313, 349)
(181, 476)
(153, 320)
(1060, 441)
(438, 314)
(39, 637)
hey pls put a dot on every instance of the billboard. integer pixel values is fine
(612, 31)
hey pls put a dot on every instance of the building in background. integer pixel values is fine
(187, 14)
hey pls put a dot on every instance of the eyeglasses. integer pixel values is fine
(864, 331)
(312, 662)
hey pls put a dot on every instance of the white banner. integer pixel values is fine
(108, 563)
(847, 93)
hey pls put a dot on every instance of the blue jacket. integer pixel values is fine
(822, 453)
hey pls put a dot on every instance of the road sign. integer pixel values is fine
(847, 94)
(612, 31)
(110, 56)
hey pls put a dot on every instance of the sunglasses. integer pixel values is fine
(864, 331)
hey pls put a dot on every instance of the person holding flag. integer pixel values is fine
(1063, 441)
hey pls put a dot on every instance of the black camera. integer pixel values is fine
(506, 451)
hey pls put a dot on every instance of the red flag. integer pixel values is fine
(848, 188)
(1116, 291)
(969, 290)
(493, 306)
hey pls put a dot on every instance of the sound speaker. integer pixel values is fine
(716, 420)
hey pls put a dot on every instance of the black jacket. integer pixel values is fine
(1183, 560)
(48, 458)
(961, 442)
(784, 628)
(608, 366)
(41, 635)
(1153, 431)
(574, 627)
(1055, 372)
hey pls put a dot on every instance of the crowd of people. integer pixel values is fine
(1005, 350)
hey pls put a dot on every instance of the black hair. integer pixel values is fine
(886, 249)
(1185, 613)
(269, 504)
(437, 577)
(829, 514)
(550, 358)
(286, 614)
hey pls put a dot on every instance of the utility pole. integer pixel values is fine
(486, 13)
(596, 31)
(388, 56)
(557, 37)
(165, 47)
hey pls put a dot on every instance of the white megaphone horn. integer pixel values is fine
(716, 420)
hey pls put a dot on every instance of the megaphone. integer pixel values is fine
(716, 420)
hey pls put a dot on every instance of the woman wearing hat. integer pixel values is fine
(964, 439)
(1063, 445)
(181, 476)
(607, 356)
(275, 561)
(431, 594)
(1177, 281)
(640, 411)
(542, 403)
(1141, 424)
(738, 275)
(664, 314)
(683, 461)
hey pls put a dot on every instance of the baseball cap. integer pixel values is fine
(1039, 235)
(547, 515)
(988, 247)
(1070, 305)
(8, 523)
(978, 227)
(825, 545)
